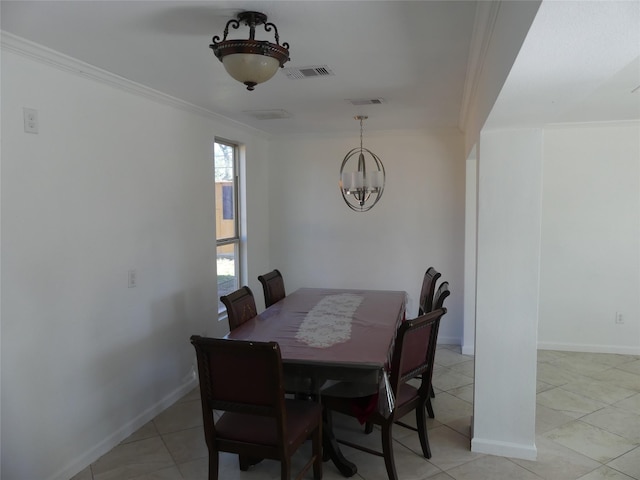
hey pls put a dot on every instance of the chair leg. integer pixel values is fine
(285, 468)
(433, 393)
(430, 408)
(387, 451)
(421, 423)
(368, 428)
(213, 466)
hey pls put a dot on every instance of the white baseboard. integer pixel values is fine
(575, 347)
(96, 451)
(465, 350)
(468, 349)
(449, 340)
(504, 449)
(562, 347)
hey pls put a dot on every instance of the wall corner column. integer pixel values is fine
(507, 291)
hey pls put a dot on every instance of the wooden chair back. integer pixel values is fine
(441, 294)
(438, 302)
(273, 287)
(431, 276)
(414, 351)
(241, 306)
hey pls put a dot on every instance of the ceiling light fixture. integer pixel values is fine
(362, 187)
(250, 61)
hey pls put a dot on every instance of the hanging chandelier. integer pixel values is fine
(361, 181)
(250, 61)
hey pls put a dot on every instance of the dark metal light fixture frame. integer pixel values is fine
(251, 48)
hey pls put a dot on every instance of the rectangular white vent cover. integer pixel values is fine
(366, 101)
(268, 114)
(308, 72)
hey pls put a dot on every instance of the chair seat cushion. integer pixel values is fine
(248, 428)
(406, 393)
(365, 409)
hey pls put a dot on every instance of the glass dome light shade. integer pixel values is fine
(250, 68)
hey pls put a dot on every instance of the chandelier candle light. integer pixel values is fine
(362, 188)
(250, 61)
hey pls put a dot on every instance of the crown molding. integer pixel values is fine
(39, 53)
(483, 26)
(593, 123)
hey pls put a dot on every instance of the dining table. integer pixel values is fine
(336, 340)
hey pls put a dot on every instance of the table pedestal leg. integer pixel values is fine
(331, 449)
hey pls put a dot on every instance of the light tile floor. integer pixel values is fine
(587, 426)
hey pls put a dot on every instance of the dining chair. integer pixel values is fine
(438, 302)
(413, 354)
(425, 305)
(429, 280)
(273, 287)
(243, 381)
(441, 294)
(241, 306)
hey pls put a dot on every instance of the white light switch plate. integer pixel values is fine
(30, 120)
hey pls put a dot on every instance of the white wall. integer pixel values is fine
(316, 240)
(591, 238)
(113, 181)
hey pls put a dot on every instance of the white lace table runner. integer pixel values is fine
(329, 321)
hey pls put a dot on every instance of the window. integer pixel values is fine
(227, 230)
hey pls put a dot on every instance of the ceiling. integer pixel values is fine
(371, 46)
(579, 63)
(411, 54)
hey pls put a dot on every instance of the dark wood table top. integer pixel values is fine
(330, 327)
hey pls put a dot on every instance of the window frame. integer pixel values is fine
(236, 238)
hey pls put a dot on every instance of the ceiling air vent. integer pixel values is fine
(308, 72)
(268, 114)
(366, 101)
